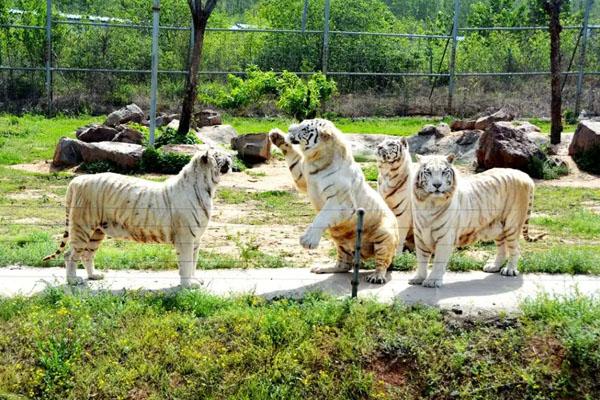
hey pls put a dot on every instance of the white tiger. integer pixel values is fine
(336, 187)
(176, 211)
(394, 184)
(451, 211)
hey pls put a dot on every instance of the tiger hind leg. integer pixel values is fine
(384, 252)
(343, 263)
(496, 265)
(512, 244)
(90, 252)
(72, 258)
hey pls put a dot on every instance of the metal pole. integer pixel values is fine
(453, 56)
(359, 230)
(154, 73)
(326, 37)
(585, 34)
(49, 55)
(191, 49)
(304, 15)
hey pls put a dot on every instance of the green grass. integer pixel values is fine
(33, 137)
(544, 125)
(190, 345)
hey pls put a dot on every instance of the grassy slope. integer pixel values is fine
(189, 345)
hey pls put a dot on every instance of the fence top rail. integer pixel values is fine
(392, 34)
(18, 26)
(520, 28)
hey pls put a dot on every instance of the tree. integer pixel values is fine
(200, 15)
(553, 8)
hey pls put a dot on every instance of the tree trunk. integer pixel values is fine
(189, 98)
(555, 75)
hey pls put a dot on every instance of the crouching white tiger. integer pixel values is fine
(450, 211)
(176, 211)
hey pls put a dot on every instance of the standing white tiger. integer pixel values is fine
(176, 211)
(394, 184)
(336, 186)
(449, 211)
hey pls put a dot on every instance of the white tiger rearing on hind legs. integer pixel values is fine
(176, 211)
(336, 186)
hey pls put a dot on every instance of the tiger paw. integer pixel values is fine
(277, 137)
(338, 267)
(310, 240)
(377, 277)
(75, 280)
(417, 280)
(190, 283)
(491, 267)
(95, 277)
(432, 283)
(506, 271)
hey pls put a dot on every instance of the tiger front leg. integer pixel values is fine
(292, 158)
(185, 257)
(333, 213)
(443, 251)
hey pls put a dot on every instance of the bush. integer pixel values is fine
(96, 167)
(546, 169)
(157, 161)
(171, 136)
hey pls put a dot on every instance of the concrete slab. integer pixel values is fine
(469, 292)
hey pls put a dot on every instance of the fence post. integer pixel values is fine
(304, 15)
(191, 49)
(584, 37)
(49, 56)
(453, 56)
(360, 215)
(326, 37)
(154, 73)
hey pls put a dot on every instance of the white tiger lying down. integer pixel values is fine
(176, 211)
(336, 186)
(449, 211)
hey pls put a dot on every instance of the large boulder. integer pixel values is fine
(253, 148)
(96, 133)
(504, 145)
(128, 135)
(217, 134)
(486, 121)
(586, 138)
(130, 113)
(462, 125)
(70, 152)
(439, 131)
(207, 117)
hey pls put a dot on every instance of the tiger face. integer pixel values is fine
(435, 177)
(309, 133)
(219, 163)
(392, 150)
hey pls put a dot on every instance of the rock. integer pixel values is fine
(501, 115)
(96, 133)
(207, 117)
(504, 145)
(462, 125)
(70, 152)
(557, 162)
(527, 126)
(173, 124)
(468, 137)
(586, 139)
(189, 149)
(217, 135)
(130, 113)
(67, 153)
(128, 135)
(441, 130)
(253, 148)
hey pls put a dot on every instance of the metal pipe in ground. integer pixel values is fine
(359, 230)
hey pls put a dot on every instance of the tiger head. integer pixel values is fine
(310, 133)
(392, 150)
(435, 178)
(219, 163)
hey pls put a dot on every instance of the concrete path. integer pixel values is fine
(467, 293)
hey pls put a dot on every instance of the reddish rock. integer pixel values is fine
(128, 135)
(70, 152)
(96, 133)
(253, 148)
(501, 115)
(504, 145)
(462, 125)
(207, 117)
(586, 138)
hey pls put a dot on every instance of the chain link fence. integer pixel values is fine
(72, 63)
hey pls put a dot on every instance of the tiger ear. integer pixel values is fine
(418, 157)
(325, 133)
(404, 142)
(204, 158)
(450, 157)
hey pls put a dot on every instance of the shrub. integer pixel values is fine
(171, 136)
(546, 169)
(96, 167)
(157, 161)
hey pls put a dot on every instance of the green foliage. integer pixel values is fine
(158, 161)
(370, 171)
(588, 160)
(296, 97)
(96, 167)
(171, 136)
(546, 169)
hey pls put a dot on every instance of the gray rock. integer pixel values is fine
(70, 152)
(253, 148)
(128, 135)
(217, 135)
(439, 131)
(96, 133)
(501, 115)
(207, 117)
(130, 113)
(586, 138)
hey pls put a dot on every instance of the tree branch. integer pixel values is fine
(210, 5)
